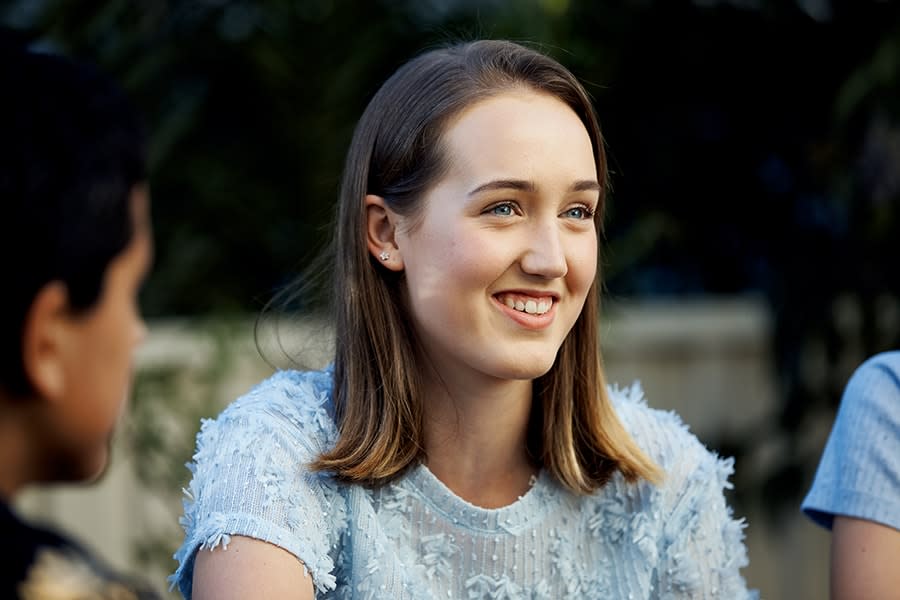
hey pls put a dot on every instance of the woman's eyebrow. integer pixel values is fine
(521, 185)
(505, 184)
(585, 185)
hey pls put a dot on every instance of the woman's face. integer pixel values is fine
(500, 260)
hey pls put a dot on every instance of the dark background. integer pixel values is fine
(755, 147)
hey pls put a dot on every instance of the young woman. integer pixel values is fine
(463, 444)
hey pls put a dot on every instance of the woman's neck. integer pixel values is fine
(475, 439)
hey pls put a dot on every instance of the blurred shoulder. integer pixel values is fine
(879, 370)
(889, 360)
(872, 394)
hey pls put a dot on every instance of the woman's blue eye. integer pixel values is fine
(502, 210)
(579, 212)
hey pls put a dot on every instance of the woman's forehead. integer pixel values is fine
(514, 134)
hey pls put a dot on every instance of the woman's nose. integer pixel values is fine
(545, 254)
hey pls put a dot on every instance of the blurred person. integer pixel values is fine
(75, 246)
(856, 491)
(463, 444)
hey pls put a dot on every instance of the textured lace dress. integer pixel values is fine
(414, 538)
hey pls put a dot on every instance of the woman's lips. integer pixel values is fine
(533, 310)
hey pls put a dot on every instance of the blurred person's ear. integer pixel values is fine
(45, 338)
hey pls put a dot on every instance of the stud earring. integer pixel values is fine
(384, 255)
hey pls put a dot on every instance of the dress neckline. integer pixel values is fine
(526, 511)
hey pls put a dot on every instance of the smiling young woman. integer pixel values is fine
(464, 443)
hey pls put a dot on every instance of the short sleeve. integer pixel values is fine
(701, 548)
(250, 479)
(859, 473)
(703, 542)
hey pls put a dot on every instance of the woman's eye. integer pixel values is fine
(579, 212)
(502, 210)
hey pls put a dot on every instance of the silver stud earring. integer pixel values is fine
(384, 255)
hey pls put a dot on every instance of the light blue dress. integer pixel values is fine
(413, 538)
(859, 474)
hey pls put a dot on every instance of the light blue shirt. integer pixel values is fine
(414, 538)
(859, 474)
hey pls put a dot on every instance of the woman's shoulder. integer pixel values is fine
(297, 401)
(694, 477)
(690, 469)
(660, 433)
(291, 392)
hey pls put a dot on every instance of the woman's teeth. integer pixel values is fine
(532, 307)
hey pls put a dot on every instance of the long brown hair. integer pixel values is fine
(397, 153)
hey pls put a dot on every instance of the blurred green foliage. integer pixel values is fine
(754, 144)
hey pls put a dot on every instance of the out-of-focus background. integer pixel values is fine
(752, 252)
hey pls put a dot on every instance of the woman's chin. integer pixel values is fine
(526, 370)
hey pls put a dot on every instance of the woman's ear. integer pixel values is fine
(45, 339)
(381, 224)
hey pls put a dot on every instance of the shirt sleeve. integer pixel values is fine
(250, 479)
(703, 543)
(701, 547)
(859, 473)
